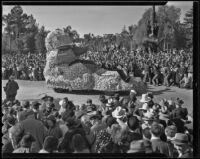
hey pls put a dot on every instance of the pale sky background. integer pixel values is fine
(98, 20)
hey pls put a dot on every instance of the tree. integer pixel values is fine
(188, 25)
(40, 40)
(167, 17)
(19, 26)
(73, 34)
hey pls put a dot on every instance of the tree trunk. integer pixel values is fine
(9, 43)
(164, 45)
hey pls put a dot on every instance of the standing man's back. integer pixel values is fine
(11, 89)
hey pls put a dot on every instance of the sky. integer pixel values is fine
(98, 20)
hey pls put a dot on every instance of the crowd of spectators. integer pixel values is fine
(169, 68)
(173, 67)
(23, 66)
(117, 125)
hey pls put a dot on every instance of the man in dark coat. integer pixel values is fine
(157, 144)
(11, 89)
(36, 129)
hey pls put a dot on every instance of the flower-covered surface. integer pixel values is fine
(60, 73)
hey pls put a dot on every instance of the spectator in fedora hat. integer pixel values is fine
(180, 142)
(145, 98)
(137, 147)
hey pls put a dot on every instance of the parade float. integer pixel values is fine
(64, 70)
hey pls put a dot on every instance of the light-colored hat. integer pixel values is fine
(170, 102)
(137, 146)
(61, 102)
(119, 112)
(110, 103)
(180, 139)
(144, 107)
(149, 115)
(145, 98)
(133, 92)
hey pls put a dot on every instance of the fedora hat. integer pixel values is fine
(180, 139)
(145, 98)
(137, 146)
(133, 93)
(119, 112)
(144, 107)
(110, 103)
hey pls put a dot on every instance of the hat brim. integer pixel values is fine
(178, 142)
(108, 105)
(116, 116)
(144, 101)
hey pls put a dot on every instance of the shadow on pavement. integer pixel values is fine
(159, 92)
(91, 92)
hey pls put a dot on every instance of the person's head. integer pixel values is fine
(49, 100)
(50, 144)
(89, 102)
(180, 142)
(170, 131)
(27, 140)
(110, 121)
(156, 130)
(35, 106)
(11, 120)
(78, 142)
(95, 118)
(146, 133)
(25, 104)
(132, 122)
(179, 103)
(63, 103)
(82, 107)
(51, 121)
(102, 99)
